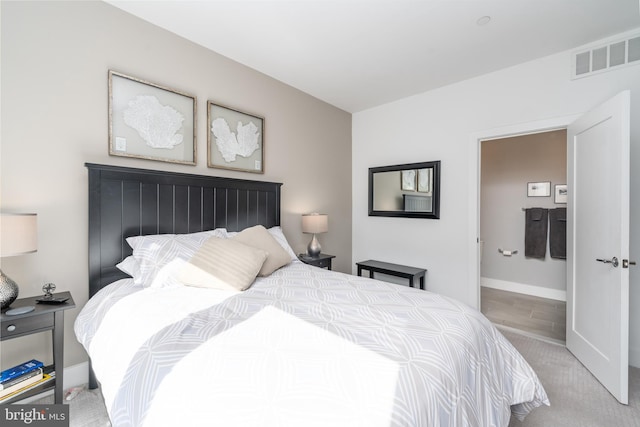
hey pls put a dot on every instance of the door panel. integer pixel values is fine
(598, 228)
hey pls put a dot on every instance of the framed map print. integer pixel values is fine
(235, 140)
(150, 121)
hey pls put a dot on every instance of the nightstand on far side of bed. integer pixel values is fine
(322, 260)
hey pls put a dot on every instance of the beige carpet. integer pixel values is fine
(577, 398)
(86, 408)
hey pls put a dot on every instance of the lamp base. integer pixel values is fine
(8, 291)
(314, 249)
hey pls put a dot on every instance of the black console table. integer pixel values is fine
(411, 273)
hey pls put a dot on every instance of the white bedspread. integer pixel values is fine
(302, 347)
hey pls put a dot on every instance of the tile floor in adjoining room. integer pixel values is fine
(538, 316)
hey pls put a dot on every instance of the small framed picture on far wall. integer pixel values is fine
(539, 189)
(560, 193)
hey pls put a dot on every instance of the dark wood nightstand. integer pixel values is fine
(45, 317)
(322, 260)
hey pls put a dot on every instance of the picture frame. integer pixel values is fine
(425, 180)
(539, 189)
(150, 121)
(408, 180)
(224, 151)
(560, 193)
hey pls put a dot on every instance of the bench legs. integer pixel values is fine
(411, 278)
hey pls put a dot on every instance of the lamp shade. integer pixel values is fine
(18, 234)
(315, 223)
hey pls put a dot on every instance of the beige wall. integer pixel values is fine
(507, 166)
(55, 57)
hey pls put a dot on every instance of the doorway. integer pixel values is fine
(598, 327)
(519, 290)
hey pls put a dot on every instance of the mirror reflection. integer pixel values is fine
(409, 190)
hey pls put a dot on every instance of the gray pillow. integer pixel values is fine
(259, 237)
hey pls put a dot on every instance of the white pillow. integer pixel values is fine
(160, 256)
(130, 266)
(223, 264)
(277, 234)
(259, 237)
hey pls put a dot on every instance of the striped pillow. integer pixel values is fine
(223, 264)
(160, 256)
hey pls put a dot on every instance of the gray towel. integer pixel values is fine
(558, 233)
(535, 233)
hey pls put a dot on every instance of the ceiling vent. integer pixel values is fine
(606, 55)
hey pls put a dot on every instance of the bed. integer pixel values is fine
(300, 346)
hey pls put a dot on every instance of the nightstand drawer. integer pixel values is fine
(322, 260)
(322, 263)
(13, 327)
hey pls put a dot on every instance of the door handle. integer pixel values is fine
(626, 263)
(613, 261)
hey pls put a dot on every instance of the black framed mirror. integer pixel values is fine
(411, 190)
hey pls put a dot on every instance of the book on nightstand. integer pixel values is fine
(21, 382)
(10, 384)
(45, 378)
(16, 371)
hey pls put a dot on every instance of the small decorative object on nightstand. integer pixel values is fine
(19, 235)
(48, 297)
(322, 260)
(314, 223)
(44, 317)
(48, 289)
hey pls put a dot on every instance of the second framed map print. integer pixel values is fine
(235, 140)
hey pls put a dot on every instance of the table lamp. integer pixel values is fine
(314, 223)
(18, 236)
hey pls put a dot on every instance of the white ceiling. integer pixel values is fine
(357, 54)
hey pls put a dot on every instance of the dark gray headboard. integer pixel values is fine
(126, 202)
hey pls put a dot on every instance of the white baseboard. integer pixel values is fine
(76, 375)
(522, 288)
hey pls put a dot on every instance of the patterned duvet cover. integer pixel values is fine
(302, 347)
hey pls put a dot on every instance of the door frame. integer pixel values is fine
(475, 142)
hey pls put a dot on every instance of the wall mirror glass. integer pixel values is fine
(411, 190)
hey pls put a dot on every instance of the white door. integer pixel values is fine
(598, 243)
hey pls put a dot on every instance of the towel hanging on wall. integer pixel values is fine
(535, 233)
(558, 233)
